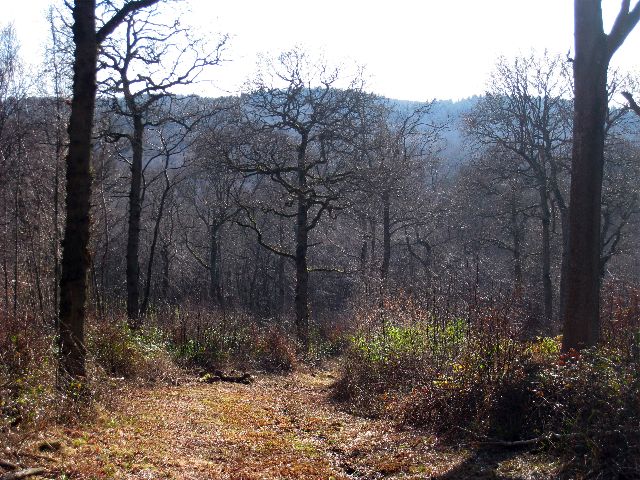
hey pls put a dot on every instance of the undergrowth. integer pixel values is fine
(170, 345)
(479, 377)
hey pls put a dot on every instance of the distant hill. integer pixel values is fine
(449, 113)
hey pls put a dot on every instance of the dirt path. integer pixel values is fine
(277, 428)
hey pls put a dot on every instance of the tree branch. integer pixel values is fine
(130, 7)
(30, 472)
(632, 103)
(625, 22)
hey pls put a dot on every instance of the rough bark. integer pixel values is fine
(593, 51)
(302, 276)
(75, 254)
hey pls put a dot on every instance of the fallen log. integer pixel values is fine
(18, 474)
(219, 376)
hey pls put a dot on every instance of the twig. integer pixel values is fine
(632, 103)
(29, 472)
(529, 441)
(8, 465)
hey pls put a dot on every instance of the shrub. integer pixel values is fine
(214, 340)
(123, 352)
(593, 401)
(27, 374)
(274, 351)
(485, 382)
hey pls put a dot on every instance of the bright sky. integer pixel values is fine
(411, 49)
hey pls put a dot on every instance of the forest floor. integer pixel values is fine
(279, 427)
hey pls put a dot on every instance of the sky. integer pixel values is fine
(410, 49)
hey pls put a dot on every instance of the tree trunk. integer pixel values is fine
(164, 254)
(302, 244)
(581, 315)
(215, 293)
(280, 288)
(75, 254)
(56, 229)
(547, 286)
(152, 249)
(281, 277)
(564, 263)
(386, 238)
(516, 234)
(372, 254)
(302, 275)
(133, 239)
(364, 249)
(16, 243)
(60, 145)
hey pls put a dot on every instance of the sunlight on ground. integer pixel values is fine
(278, 428)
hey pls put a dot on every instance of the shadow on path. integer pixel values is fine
(484, 463)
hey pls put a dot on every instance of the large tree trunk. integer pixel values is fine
(594, 50)
(133, 239)
(581, 314)
(75, 254)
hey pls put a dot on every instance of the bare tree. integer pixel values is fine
(212, 194)
(148, 63)
(526, 113)
(12, 142)
(304, 126)
(396, 148)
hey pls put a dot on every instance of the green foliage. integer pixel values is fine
(487, 383)
(398, 341)
(213, 345)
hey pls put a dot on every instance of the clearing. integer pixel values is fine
(279, 427)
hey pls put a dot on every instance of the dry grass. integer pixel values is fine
(281, 427)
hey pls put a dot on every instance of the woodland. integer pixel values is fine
(308, 280)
